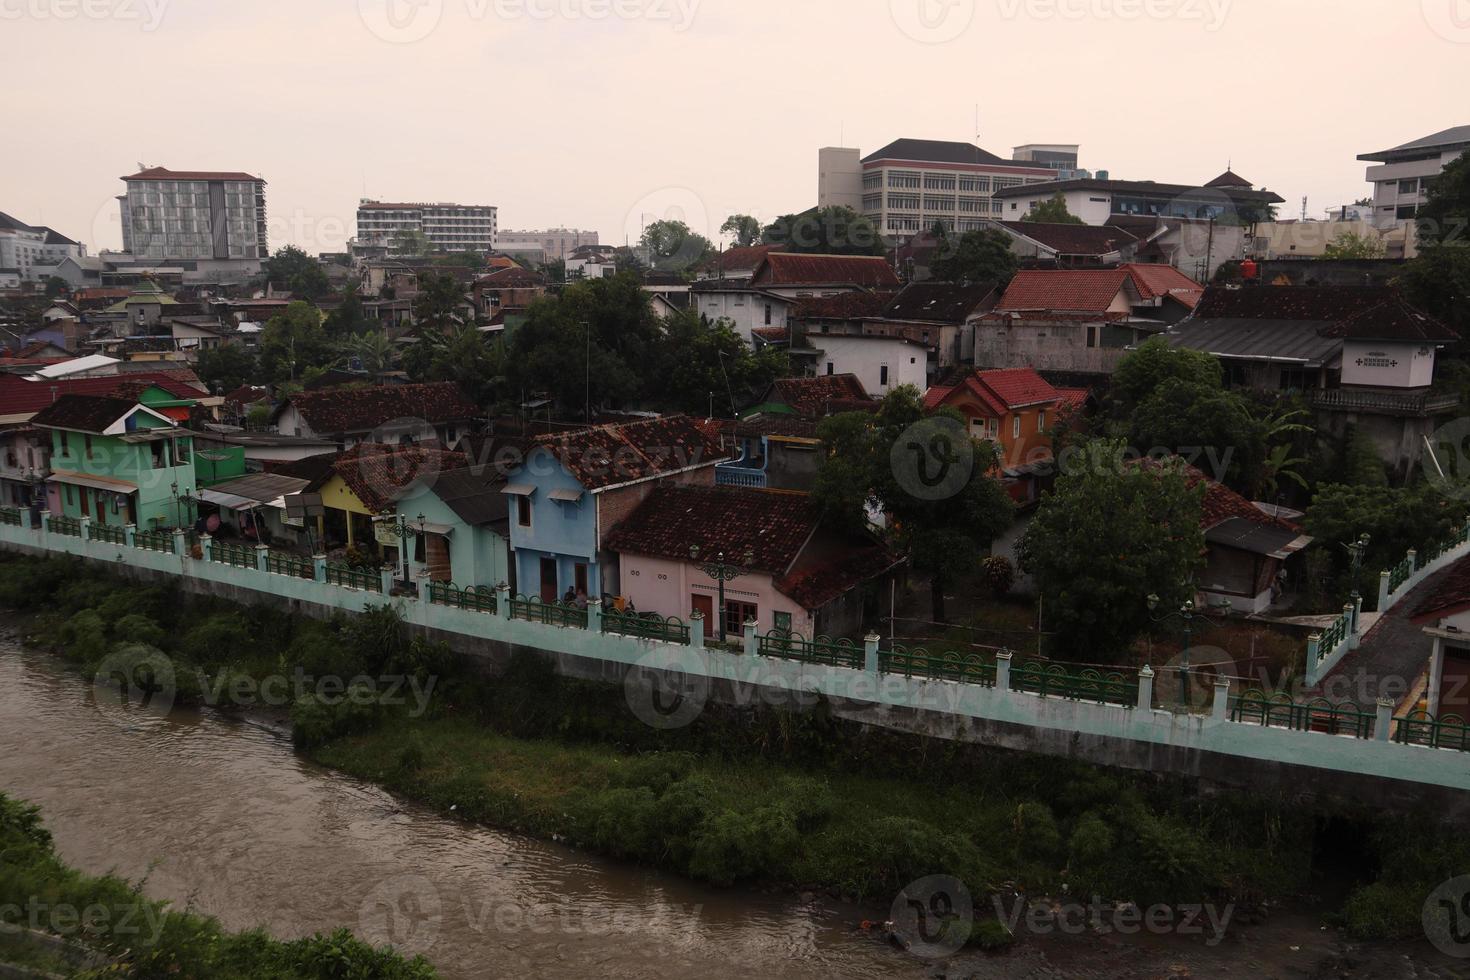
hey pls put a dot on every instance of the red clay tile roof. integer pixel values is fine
(818, 585)
(783, 269)
(843, 306)
(163, 173)
(83, 413)
(1000, 391)
(1064, 290)
(774, 334)
(1451, 594)
(1074, 397)
(736, 260)
(342, 410)
(611, 455)
(19, 396)
(380, 476)
(1153, 280)
(815, 398)
(247, 395)
(1074, 239)
(1222, 504)
(770, 527)
(512, 278)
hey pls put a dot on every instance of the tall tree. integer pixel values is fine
(1053, 212)
(743, 228)
(226, 368)
(1141, 372)
(411, 243)
(933, 482)
(1438, 280)
(1112, 534)
(703, 365)
(672, 246)
(298, 272)
(826, 231)
(348, 319)
(1351, 245)
(976, 257)
(293, 341)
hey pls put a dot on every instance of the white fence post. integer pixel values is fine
(1146, 689)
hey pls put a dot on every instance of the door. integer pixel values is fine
(86, 502)
(548, 580)
(705, 606)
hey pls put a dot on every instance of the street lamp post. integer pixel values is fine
(1358, 550)
(401, 530)
(1186, 615)
(722, 571)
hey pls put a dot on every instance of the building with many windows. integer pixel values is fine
(448, 227)
(210, 224)
(910, 185)
(547, 245)
(1401, 179)
(31, 252)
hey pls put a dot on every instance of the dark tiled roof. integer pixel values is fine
(609, 455)
(1240, 194)
(361, 409)
(54, 237)
(162, 173)
(1221, 504)
(381, 475)
(939, 151)
(783, 269)
(818, 585)
(474, 494)
(939, 302)
(1073, 239)
(18, 396)
(1230, 179)
(739, 259)
(513, 278)
(83, 413)
(772, 528)
(843, 306)
(814, 398)
(1451, 593)
(1338, 312)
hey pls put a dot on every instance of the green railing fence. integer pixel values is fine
(106, 532)
(68, 526)
(10, 515)
(823, 650)
(649, 626)
(1281, 710)
(238, 555)
(347, 577)
(1055, 680)
(1444, 732)
(535, 610)
(283, 563)
(159, 541)
(480, 598)
(951, 666)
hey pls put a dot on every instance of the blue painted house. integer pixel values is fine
(573, 489)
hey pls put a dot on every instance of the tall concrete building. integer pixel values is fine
(194, 216)
(448, 227)
(909, 185)
(31, 252)
(1401, 179)
(548, 245)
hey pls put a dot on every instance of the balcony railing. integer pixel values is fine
(740, 476)
(1384, 402)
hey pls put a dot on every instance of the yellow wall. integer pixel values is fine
(337, 496)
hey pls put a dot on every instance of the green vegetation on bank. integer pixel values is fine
(144, 939)
(743, 796)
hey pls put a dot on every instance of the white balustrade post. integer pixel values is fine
(319, 569)
(594, 615)
(181, 543)
(1314, 658)
(870, 652)
(389, 580)
(1383, 727)
(1350, 613)
(130, 535)
(696, 630)
(84, 529)
(262, 558)
(1146, 689)
(752, 643)
(1384, 591)
(1003, 670)
(206, 547)
(1222, 699)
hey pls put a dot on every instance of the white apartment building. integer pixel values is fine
(448, 227)
(909, 185)
(547, 245)
(30, 252)
(197, 216)
(1401, 179)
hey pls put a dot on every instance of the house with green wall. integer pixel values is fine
(461, 521)
(118, 462)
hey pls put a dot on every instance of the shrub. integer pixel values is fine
(736, 846)
(1000, 574)
(138, 628)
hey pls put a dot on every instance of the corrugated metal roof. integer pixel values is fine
(1298, 341)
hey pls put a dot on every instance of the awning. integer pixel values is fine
(1257, 539)
(518, 489)
(429, 527)
(228, 501)
(95, 482)
(566, 496)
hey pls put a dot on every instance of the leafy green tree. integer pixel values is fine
(223, 369)
(350, 318)
(467, 260)
(1142, 371)
(1438, 280)
(439, 301)
(374, 351)
(1351, 245)
(977, 257)
(673, 247)
(298, 272)
(866, 464)
(745, 229)
(834, 230)
(411, 243)
(293, 341)
(1053, 212)
(1110, 535)
(703, 365)
(55, 286)
(1182, 415)
(1396, 519)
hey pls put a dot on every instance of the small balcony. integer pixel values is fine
(1412, 404)
(740, 476)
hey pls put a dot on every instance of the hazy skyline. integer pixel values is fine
(602, 114)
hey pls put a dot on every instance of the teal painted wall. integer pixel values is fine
(153, 505)
(477, 555)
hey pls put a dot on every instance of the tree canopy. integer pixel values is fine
(225, 368)
(1438, 280)
(293, 341)
(825, 231)
(1110, 535)
(1053, 212)
(976, 257)
(298, 272)
(673, 246)
(1351, 245)
(926, 474)
(743, 228)
(1142, 371)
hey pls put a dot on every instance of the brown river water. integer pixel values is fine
(219, 814)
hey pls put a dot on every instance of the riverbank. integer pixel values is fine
(107, 918)
(760, 798)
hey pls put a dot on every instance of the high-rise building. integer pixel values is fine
(448, 227)
(910, 185)
(1401, 179)
(547, 245)
(194, 216)
(31, 252)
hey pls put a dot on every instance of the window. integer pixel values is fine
(181, 451)
(523, 511)
(1041, 421)
(829, 367)
(768, 314)
(1016, 427)
(783, 621)
(87, 446)
(883, 376)
(993, 429)
(1407, 213)
(581, 578)
(70, 494)
(1093, 336)
(1409, 186)
(736, 613)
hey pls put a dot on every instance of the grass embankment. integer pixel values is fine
(143, 938)
(752, 796)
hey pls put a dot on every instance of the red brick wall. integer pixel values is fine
(616, 505)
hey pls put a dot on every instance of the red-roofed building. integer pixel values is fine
(797, 575)
(231, 202)
(797, 275)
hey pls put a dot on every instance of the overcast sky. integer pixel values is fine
(603, 113)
